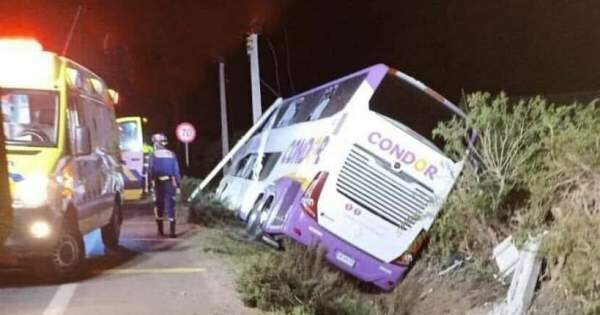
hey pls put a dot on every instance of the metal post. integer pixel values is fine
(187, 155)
(252, 49)
(224, 130)
(234, 150)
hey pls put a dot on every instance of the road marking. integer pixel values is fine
(61, 299)
(148, 239)
(139, 222)
(150, 271)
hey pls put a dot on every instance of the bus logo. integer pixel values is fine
(301, 150)
(402, 156)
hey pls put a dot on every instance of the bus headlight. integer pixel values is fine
(40, 229)
(33, 190)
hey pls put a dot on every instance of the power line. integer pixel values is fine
(275, 63)
(287, 55)
(270, 88)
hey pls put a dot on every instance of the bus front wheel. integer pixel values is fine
(253, 229)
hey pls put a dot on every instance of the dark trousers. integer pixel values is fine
(164, 193)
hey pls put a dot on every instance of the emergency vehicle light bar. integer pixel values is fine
(20, 45)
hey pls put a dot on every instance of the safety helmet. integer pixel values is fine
(159, 138)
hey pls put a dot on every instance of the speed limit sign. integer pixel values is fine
(186, 132)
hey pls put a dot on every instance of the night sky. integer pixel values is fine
(162, 55)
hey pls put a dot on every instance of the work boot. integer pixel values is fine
(172, 229)
(159, 224)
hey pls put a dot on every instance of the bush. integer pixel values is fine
(535, 167)
(188, 185)
(210, 211)
(569, 188)
(298, 281)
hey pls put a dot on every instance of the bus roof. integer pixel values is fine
(376, 73)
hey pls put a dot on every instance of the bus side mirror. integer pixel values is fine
(83, 145)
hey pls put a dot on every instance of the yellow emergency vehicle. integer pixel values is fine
(62, 144)
(134, 152)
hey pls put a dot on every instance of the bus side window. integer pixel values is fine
(247, 171)
(243, 166)
(336, 97)
(265, 123)
(324, 101)
(269, 162)
(286, 115)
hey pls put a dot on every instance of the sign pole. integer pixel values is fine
(187, 155)
(186, 133)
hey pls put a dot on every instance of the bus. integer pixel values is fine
(64, 164)
(134, 151)
(351, 165)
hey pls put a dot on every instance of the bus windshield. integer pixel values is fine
(400, 101)
(30, 117)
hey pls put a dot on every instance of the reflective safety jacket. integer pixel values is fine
(163, 163)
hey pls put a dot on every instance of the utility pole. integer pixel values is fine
(224, 130)
(252, 50)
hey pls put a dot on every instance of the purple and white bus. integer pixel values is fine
(352, 166)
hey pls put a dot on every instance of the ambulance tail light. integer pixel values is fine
(407, 258)
(311, 196)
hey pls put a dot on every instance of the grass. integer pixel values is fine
(209, 211)
(298, 280)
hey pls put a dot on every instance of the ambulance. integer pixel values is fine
(62, 144)
(135, 152)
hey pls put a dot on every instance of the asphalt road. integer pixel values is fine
(146, 275)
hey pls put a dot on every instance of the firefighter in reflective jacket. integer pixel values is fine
(163, 169)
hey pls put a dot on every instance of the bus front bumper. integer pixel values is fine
(29, 239)
(305, 230)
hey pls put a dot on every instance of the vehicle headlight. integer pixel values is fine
(40, 229)
(32, 191)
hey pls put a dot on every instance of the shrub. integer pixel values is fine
(188, 185)
(209, 211)
(569, 187)
(298, 281)
(535, 167)
(494, 185)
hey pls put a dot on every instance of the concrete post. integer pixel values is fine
(224, 129)
(252, 50)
